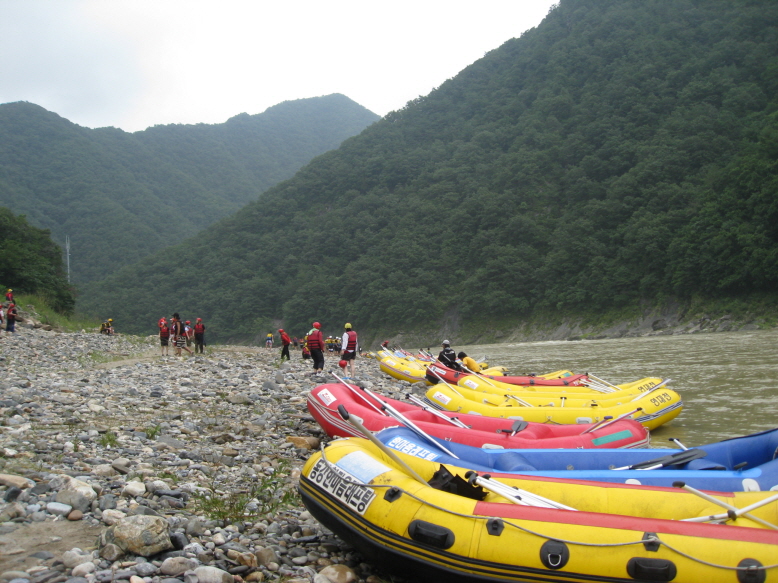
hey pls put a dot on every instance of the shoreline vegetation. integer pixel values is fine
(698, 316)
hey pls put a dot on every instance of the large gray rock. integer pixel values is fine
(174, 566)
(213, 575)
(140, 534)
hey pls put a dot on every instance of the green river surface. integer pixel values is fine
(728, 380)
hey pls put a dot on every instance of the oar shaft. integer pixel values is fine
(651, 390)
(361, 428)
(444, 381)
(604, 382)
(738, 511)
(604, 423)
(360, 395)
(453, 420)
(410, 425)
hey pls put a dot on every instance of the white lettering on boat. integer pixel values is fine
(414, 449)
(342, 485)
(326, 397)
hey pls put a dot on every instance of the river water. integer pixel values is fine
(728, 380)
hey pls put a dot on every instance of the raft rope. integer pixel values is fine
(650, 539)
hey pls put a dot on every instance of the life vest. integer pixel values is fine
(164, 331)
(352, 341)
(199, 328)
(315, 340)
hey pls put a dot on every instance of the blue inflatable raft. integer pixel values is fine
(747, 463)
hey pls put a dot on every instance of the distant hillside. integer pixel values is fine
(31, 263)
(621, 153)
(120, 196)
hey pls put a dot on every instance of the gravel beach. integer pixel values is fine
(117, 464)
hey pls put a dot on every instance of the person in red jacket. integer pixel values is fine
(164, 336)
(316, 346)
(199, 335)
(285, 342)
(349, 345)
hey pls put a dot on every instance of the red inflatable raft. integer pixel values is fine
(479, 431)
(437, 371)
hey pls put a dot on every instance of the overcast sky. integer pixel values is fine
(136, 63)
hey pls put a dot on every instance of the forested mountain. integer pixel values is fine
(31, 263)
(623, 151)
(120, 196)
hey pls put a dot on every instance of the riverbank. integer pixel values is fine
(671, 318)
(105, 443)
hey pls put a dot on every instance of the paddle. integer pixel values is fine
(391, 411)
(453, 420)
(442, 380)
(512, 494)
(361, 428)
(651, 390)
(358, 394)
(732, 511)
(518, 425)
(609, 420)
(674, 459)
(521, 401)
(609, 387)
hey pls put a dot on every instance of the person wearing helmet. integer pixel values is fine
(448, 357)
(316, 347)
(199, 336)
(350, 347)
(107, 327)
(269, 341)
(9, 296)
(285, 342)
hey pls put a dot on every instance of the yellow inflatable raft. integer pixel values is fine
(657, 406)
(457, 526)
(403, 368)
(487, 385)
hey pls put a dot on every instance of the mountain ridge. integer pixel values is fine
(120, 195)
(620, 153)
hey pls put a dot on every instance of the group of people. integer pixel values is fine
(182, 334)
(314, 345)
(461, 361)
(8, 312)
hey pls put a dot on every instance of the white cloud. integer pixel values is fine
(137, 63)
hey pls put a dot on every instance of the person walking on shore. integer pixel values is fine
(316, 347)
(179, 333)
(285, 342)
(199, 336)
(164, 337)
(350, 346)
(10, 318)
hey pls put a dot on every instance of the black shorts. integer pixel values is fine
(163, 341)
(349, 356)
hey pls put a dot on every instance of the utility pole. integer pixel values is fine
(67, 254)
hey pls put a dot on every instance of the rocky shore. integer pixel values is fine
(117, 464)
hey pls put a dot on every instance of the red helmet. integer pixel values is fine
(188, 322)
(280, 329)
(199, 319)
(316, 325)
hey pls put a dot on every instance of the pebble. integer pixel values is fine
(104, 430)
